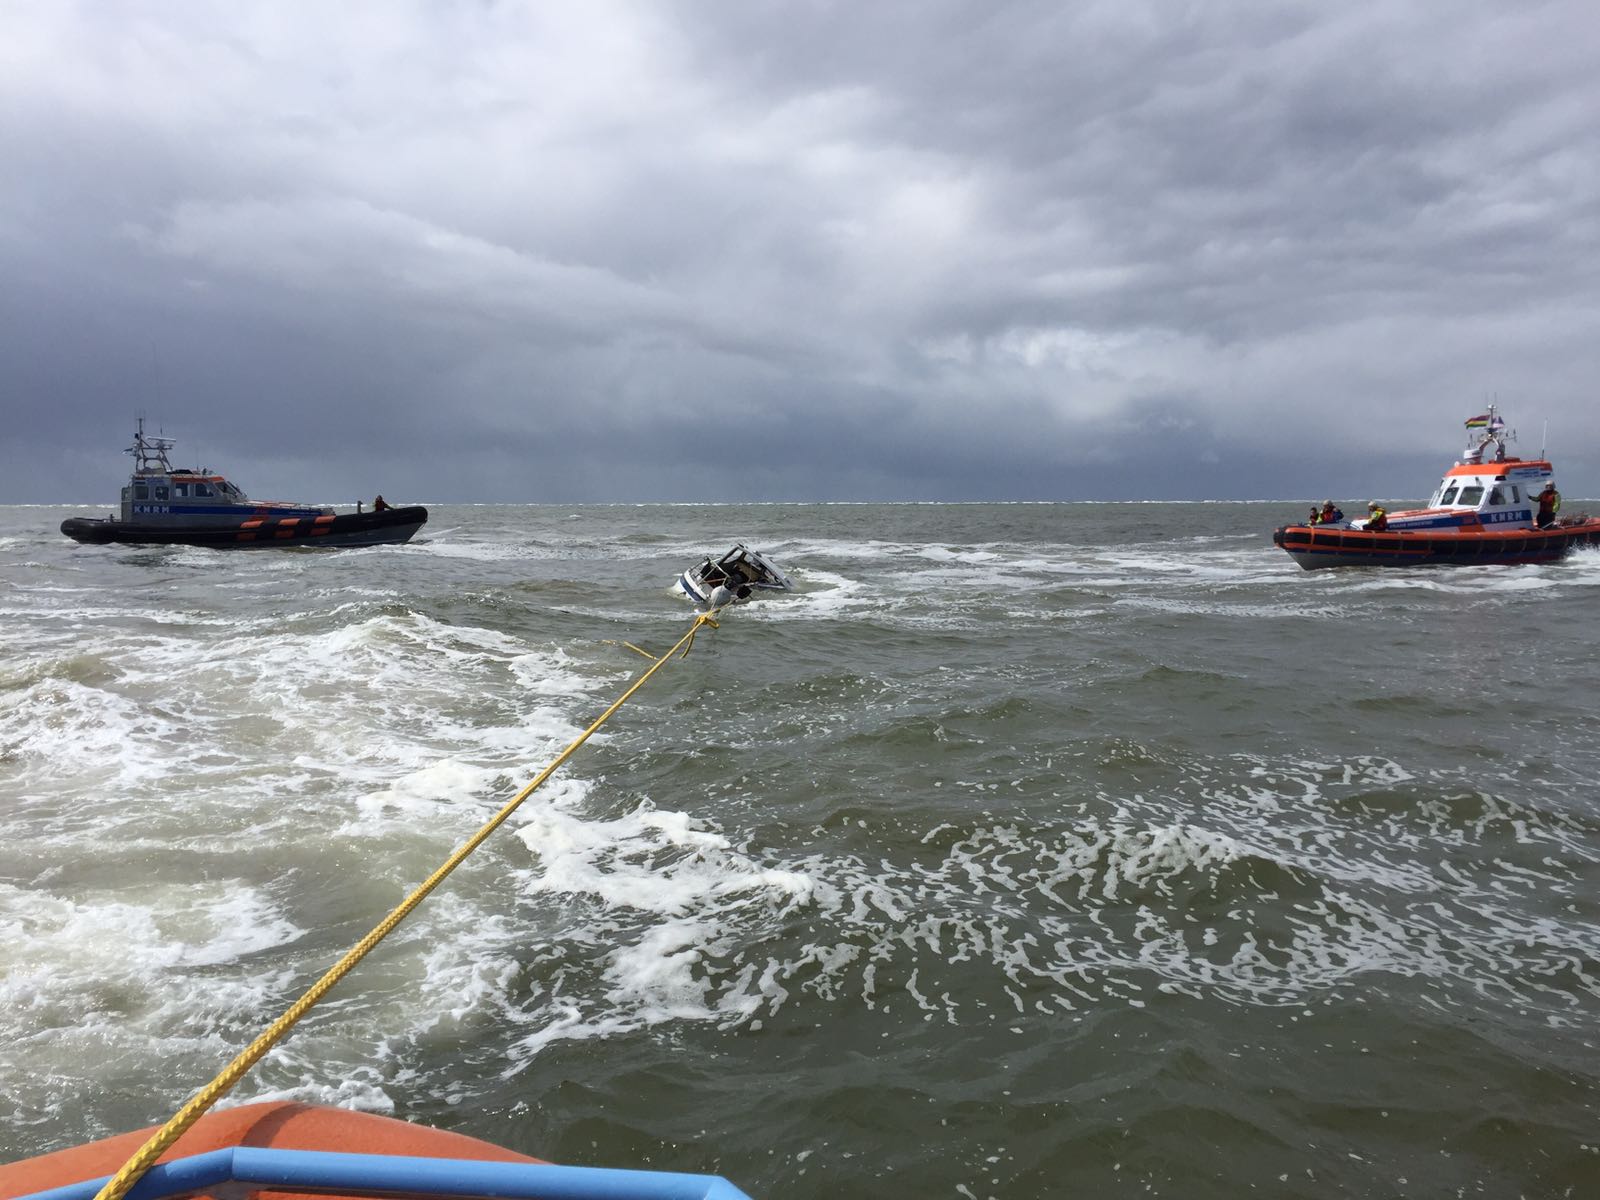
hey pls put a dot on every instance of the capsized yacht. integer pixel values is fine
(740, 574)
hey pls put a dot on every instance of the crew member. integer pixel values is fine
(379, 504)
(1314, 517)
(1331, 514)
(1549, 505)
(1377, 518)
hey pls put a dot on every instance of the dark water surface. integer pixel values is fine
(1029, 850)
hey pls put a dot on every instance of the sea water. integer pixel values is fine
(1025, 850)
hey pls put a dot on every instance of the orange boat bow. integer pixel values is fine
(280, 1124)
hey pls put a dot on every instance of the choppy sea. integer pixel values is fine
(1025, 851)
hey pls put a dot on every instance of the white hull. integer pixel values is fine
(737, 576)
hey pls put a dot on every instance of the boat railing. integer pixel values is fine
(324, 1173)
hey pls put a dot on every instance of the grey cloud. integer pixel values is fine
(932, 249)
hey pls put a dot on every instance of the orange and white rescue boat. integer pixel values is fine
(1485, 510)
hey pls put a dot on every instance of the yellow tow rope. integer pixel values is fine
(162, 1139)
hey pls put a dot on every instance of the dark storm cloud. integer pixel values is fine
(635, 251)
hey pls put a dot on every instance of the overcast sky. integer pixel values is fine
(910, 249)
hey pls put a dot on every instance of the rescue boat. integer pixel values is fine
(1485, 510)
(163, 505)
(279, 1149)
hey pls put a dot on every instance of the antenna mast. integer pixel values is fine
(149, 453)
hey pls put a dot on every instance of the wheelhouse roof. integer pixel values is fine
(1523, 466)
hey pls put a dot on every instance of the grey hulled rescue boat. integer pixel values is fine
(163, 505)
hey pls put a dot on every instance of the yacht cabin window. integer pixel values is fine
(181, 490)
(141, 492)
(201, 489)
(1448, 496)
(161, 492)
(1496, 497)
(1471, 495)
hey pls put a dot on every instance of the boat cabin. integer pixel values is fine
(1485, 487)
(1503, 493)
(159, 493)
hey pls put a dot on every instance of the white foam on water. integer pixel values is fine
(125, 976)
(835, 548)
(824, 596)
(1223, 607)
(467, 975)
(686, 913)
(1105, 910)
(58, 731)
(1159, 562)
(671, 901)
(493, 551)
(977, 556)
(929, 582)
(354, 698)
(1456, 580)
(652, 860)
(416, 796)
(396, 731)
(55, 947)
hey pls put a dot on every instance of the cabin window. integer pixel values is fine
(1516, 494)
(141, 492)
(1449, 496)
(1496, 497)
(161, 492)
(1471, 495)
(181, 490)
(229, 490)
(201, 489)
